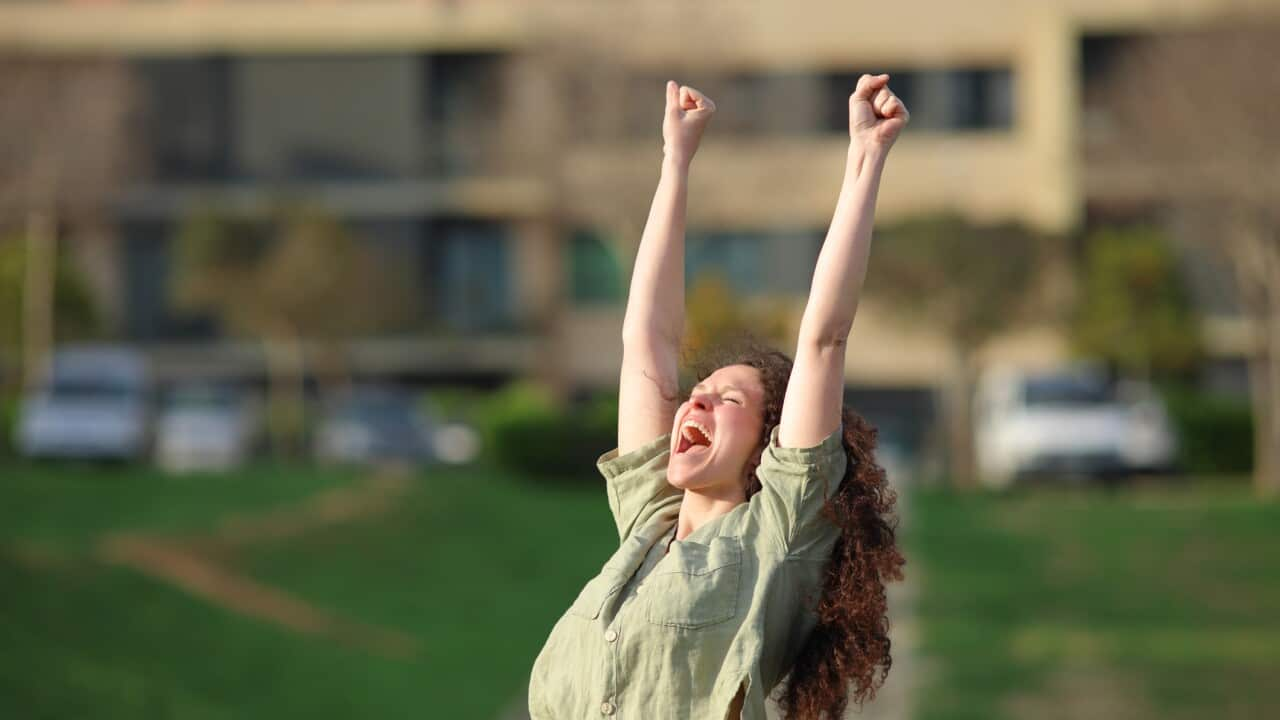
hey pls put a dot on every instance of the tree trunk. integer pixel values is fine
(1268, 479)
(1255, 262)
(1260, 402)
(331, 365)
(286, 410)
(958, 410)
(37, 295)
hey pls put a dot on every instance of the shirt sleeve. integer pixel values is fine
(795, 484)
(637, 483)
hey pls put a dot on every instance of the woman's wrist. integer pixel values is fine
(677, 161)
(865, 156)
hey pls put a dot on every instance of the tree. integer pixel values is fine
(971, 283)
(301, 280)
(1134, 310)
(74, 313)
(1200, 109)
(714, 314)
(66, 145)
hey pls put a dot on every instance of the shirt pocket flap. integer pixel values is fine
(591, 600)
(692, 558)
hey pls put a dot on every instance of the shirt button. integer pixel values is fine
(611, 635)
(639, 588)
(607, 708)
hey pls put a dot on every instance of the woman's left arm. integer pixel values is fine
(815, 392)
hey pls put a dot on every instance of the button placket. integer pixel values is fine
(607, 708)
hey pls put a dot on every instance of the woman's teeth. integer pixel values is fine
(694, 435)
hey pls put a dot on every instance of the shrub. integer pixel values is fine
(1215, 432)
(524, 430)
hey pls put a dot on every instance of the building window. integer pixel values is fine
(327, 117)
(981, 99)
(151, 312)
(468, 275)
(461, 105)
(949, 99)
(735, 256)
(841, 85)
(595, 277)
(747, 103)
(186, 117)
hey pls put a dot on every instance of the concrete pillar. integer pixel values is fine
(1047, 118)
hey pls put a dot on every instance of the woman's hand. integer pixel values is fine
(876, 115)
(686, 117)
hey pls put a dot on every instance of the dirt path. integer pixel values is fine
(191, 562)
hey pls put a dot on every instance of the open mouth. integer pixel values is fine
(693, 439)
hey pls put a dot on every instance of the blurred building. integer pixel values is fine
(505, 151)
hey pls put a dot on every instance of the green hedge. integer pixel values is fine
(1215, 432)
(525, 431)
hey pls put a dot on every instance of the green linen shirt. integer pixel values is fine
(673, 634)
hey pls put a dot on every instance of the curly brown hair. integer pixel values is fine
(850, 643)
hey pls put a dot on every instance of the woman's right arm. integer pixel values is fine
(654, 323)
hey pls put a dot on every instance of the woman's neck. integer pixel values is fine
(698, 508)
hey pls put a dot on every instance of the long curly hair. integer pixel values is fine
(847, 654)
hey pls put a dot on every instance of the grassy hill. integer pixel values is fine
(471, 565)
(1046, 604)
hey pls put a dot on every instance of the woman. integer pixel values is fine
(755, 527)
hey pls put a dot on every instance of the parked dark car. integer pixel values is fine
(373, 423)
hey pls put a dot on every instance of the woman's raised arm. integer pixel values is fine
(815, 392)
(654, 323)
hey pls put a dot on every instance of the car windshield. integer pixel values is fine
(1067, 390)
(201, 398)
(376, 408)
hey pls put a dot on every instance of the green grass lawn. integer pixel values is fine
(1153, 603)
(68, 504)
(474, 565)
(1038, 604)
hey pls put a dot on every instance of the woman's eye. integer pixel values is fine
(734, 400)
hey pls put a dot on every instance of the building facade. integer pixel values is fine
(503, 153)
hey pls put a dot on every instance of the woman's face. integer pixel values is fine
(729, 406)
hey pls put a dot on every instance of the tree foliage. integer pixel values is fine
(714, 313)
(300, 274)
(969, 281)
(1135, 310)
(74, 310)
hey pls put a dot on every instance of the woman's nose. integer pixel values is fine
(701, 402)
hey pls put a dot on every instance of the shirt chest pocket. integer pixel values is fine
(695, 585)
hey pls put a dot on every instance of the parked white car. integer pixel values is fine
(94, 403)
(205, 427)
(1068, 422)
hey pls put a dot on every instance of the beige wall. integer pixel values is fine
(1032, 172)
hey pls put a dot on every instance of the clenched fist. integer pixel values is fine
(686, 117)
(876, 115)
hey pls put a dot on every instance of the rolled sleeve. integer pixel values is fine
(637, 483)
(795, 484)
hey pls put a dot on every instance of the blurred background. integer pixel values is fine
(310, 321)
